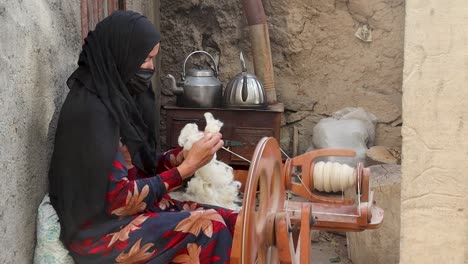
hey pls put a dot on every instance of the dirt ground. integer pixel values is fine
(329, 247)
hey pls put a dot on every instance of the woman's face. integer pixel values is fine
(149, 61)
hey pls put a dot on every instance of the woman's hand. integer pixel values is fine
(200, 154)
(176, 160)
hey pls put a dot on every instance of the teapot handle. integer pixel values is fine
(204, 52)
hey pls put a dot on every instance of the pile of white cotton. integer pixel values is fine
(213, 183)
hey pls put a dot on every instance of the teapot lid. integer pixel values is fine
(200, 73)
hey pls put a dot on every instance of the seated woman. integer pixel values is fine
(106, 181)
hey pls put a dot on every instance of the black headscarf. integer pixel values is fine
(98, 112)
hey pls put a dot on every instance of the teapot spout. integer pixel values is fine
(176, 89)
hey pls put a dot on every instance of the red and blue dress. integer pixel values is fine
(142, 224)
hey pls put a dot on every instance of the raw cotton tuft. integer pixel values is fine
(213, 183)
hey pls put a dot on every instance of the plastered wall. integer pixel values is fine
(38, 50)
(435, 133)
(320, 65)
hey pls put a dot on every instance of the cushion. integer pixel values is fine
(49, 248)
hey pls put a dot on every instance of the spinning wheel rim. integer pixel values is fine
(265, 171)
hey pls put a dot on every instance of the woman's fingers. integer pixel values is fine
(218, 145)
(204, 149)
(180, 157)
(212, 139)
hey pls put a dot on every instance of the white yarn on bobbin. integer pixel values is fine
(333, 176)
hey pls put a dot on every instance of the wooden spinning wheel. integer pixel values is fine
(254, 231)
(263, 228)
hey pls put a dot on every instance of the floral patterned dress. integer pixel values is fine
(142, 224)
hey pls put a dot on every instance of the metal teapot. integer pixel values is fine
(199, 88)
(244, 91)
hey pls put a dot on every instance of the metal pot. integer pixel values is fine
(200, 88)
(245, 90)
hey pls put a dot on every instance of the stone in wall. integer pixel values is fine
(39, 50)
(320, 66)
(388, 135)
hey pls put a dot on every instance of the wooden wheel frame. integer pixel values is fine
(254, 231)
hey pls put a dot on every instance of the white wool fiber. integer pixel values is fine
(213, 183)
